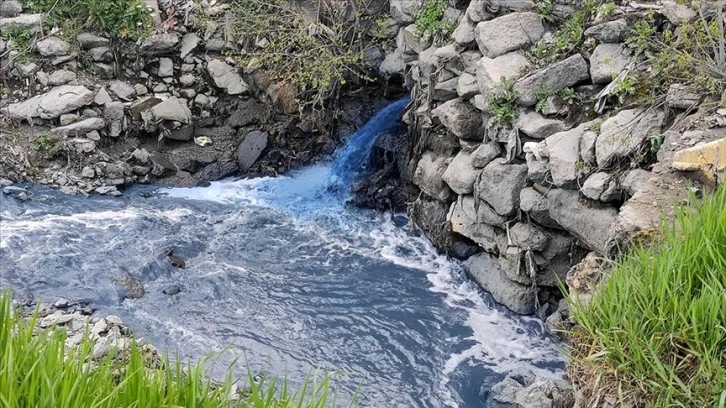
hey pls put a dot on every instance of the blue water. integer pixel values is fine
(286, 277)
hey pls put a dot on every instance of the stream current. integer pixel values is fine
(286, 277)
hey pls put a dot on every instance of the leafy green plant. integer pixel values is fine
(626, 87)
(656, 141)
(569, 95)
(607, 9)
(546, 11)
(503, 104)
(430, 22)
(568, 38)
(122, 18)
(654, 332)
(44, 143)
(641, 40)
(38, 370)
(19, 38)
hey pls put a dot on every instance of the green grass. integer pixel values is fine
(658, 325)
(37, 371)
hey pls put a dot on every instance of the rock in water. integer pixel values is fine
(174, 260)
(130, 287)
(250, 149)
(172, 290)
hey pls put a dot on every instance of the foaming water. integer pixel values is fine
(282, 274)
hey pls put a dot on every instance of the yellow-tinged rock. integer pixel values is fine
(708, 157)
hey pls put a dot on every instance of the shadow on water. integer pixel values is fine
(282, 271)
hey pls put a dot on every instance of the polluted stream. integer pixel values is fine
(282, 276)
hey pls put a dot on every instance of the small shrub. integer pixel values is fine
(568, 37)
(429, 20)
(607, 9)
(19, 38)
(503, 104)
(625, 88)
(122, 18)
(641, 40)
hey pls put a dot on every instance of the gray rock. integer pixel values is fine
(10, 8)
(490, 72)
(589, 222)
(113, 112)
(248, 112)
(464, 32)
(555, 77)
(564, 156)
(508, 33)
(250, 149)
(171, 109)
(28, 21)
(52, 46)
(130, 287)
(465, 221)
(102, 97)
(461, 174)
(537, 126)
(587, 148)
(161, 165)
(226, 77)
(187, 79)
(122, 90)
(403, 10)
(478, 11)
(61, 77)
(610, 32)
(461, 119)
(52, 104)
(166, 68)
(219, 170)
(5, 182)
(607, 61)
(625, 134)
(188, 43)
(512, 5)
(140, 156)
(601, 187)
(445, 90)
(393, 63)
(14, 190)
(634, 181)
(500, 185)
(105, 71)
(412, 41)
(466, 86)
(80, 128)
(485, 153)
(88, 172)
(536, 206)
(677, 13)
(172, 290)
(428, 176)
(487, 272)
(159, 44)
(141, 89)
(27, 69)
(89, 40)
(528, 236)
(184, 133)
(526, 390)
(101, 54)
(680, 96)
(69, 118)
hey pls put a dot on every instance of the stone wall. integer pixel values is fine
(525, 202)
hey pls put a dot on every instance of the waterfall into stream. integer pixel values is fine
(285, 276)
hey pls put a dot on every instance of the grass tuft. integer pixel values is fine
(656, 330)
(37, 370)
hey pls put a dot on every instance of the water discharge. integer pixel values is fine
(287, 276)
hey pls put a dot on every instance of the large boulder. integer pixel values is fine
(500, 184)
(461, 119)
(52, 104)
(226, 77)
(486, 271)
(537, 126)
(626, 134)
(490, 72)
(52, 47)
(555, 77)
(609, 32)
(523, 389)
(461, 174)
(465, 221)
(536, 206)
(606, 62)
(564, 156)
(428, 176)
(171, 109)
(590, 222)
(508, 33)
(250, 149)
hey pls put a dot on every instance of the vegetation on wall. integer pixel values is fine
(655, 332)
(430, 22)
(315, 53)
(123, 18)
